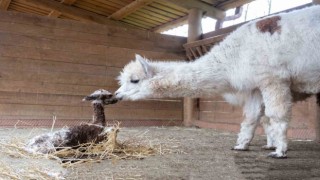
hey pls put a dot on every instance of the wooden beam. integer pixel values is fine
(68, 2)
(195, 28)
(317, 126)
(237, 14)
(209, 11)
(4, 4)
(212, 2)
(317, 123)
(54, 14)
(130, 8)
(232, 4)
(194, 33)
(77, 13)
(171, 24)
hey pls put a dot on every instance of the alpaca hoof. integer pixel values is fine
(266, 147)
(240, 148)
(275, 155)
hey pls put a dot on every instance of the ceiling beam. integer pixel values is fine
(4, 4)
(210, 1)
(54, 13)
(233, 4)
(210, 11)
(77, 13)
(171, 24)
(68, 2)
(130, 8)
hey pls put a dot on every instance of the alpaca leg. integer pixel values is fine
(252, 110)
(279, 135)
(265, 121)
(277, 99)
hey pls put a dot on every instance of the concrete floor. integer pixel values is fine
(188, 153)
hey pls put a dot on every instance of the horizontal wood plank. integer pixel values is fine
(76, 100)
(218, 107)
(85, 112)
(48, 54)
(49, 88)
(108, 37)
(221, 117)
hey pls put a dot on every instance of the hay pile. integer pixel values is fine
(109, 148)
(135, 144)
(31, 172)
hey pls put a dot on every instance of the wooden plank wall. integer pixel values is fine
(217, 113)
(48, 65)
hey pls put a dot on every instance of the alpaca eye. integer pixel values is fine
(134, 81)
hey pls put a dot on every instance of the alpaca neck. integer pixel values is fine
(99, 117)
(203, 77)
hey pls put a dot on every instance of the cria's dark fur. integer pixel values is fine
(84, 134)
(101, 100)
(91, 133)
(110, 101)
(75, 136)
(98, 96)
(318, 99)
(99, 117)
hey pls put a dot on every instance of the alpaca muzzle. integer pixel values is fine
(118, 96)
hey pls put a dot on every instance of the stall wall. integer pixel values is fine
(48, 65)
(218, 114)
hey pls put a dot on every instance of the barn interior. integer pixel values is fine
(55, 52)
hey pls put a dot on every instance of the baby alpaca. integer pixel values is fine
(74, 136)
(99, 99)
(260, 67)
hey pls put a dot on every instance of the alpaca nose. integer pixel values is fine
(117, 95)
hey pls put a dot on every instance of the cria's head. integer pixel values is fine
(101, 96)
(134, 80)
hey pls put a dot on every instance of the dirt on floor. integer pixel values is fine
(188, 153)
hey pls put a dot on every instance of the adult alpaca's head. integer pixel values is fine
(135, 79)
(142, 79)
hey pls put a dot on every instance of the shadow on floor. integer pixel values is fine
(303, 162)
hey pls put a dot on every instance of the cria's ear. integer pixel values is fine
(145, 65)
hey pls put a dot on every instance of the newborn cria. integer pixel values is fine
(74, 136)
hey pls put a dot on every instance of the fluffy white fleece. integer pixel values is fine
(260, 66)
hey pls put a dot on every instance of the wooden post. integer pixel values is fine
(317, 127)
(194, 33)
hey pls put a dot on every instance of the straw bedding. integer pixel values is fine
(92, 152)
(85, 143)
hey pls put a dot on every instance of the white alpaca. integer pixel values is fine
(261, 66)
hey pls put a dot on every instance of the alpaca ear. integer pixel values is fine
(145, 65)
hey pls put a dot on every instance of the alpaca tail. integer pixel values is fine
(318, 99)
